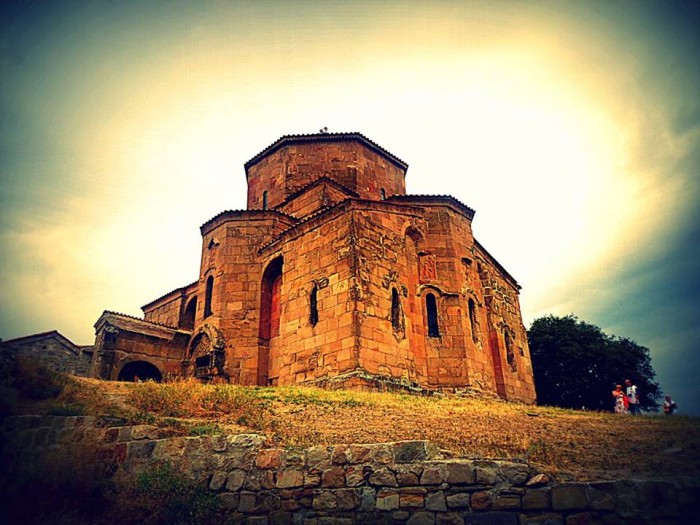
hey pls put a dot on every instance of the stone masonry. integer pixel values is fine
(333, 276)
(410, 482)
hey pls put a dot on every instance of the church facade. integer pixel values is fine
(333, 276)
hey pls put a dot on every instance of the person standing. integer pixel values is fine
(633, 397)
(621, 402)
(669, 406)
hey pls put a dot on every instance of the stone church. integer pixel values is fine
(333, 276)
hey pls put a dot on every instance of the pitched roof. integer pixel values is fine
(134, 324)
(325, 137)
(52, 334)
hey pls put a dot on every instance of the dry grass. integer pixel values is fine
(590, 445)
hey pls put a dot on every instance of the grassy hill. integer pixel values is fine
(581, 445)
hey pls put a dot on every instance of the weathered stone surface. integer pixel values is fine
(486, 474)
(359, 454)
(218, 479)
(247, 502)
(325, 500)
(144, 432)
(458, 501)
(387, 499)
(384, 478)
(481, 500)
(536, 499)
(269, 458)
(318, 457)
(235, 480)
(537, 480)
(460, 472)
(432, 475)
(449, 518)
(333, 477)
(367, 498)
(412, 498)
(515, 473)
(290, 478)
(569, 497)
(435, 501)
(382, 454)
(354, 476)
(229, 500)
(546, 518)
(491, 518)
(348, 499)
(601, 496)
(293, 457)
(410, 451)
(506, 502)
(421, 518)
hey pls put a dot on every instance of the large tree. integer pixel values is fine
(577, 365)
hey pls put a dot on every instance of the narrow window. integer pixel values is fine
(383, 194)
(313, 300)
(510, 355)
(431, 307)
(264, 200)
(207, 296)
(472, 318)
(395, 310)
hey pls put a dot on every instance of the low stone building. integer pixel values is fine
(333, 276)
(51, 349)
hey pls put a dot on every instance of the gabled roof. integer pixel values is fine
(177, 291)
(313, 184)
(246, 214)
(141, 326)
(288, 140)
(468, 212)
(33, 338)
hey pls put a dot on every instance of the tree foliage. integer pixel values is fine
(577, 365)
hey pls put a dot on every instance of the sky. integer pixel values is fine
(572, 128)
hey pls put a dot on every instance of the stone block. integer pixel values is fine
(383, 478)
(449, 518)
(432, 475)
(333, 477)
(290, 478)
(601, 496)
(269, 458)
(348, 499)
(460, 472)
(536, 499)
(218, 480)
(435, 501)
(548, 518)
(387, 499)
(569, 497)
(491, 518)
(515, 473)
(486, 474)
(325, 500)
(506, 502)
(235, 479)
(410, 451)
(460, 500)
(229, 500)
(421, 518)
(481, 500)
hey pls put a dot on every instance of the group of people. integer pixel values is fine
(627, 401)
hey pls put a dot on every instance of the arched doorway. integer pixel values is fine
(270, 309)
(140, 371)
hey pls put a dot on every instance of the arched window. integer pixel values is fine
(431, 307)
(264, 200)
(313, 301)
(188, 316)
(383, 193)
(207, 296)
(395, 310)
(472, 317)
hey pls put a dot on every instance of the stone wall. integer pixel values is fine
(52, 350)
(389, 483)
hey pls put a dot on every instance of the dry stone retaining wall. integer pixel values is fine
(410, 482)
